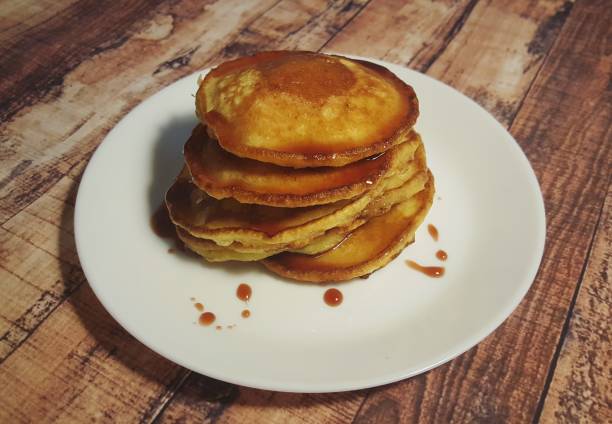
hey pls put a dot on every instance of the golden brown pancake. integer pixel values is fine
(222, 175)
(228, 221)
(212, 252)
(310, 246)
(304, 109)
(363, 251)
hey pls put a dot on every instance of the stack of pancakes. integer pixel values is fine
(306, 161)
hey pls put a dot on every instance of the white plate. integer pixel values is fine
(396, 324)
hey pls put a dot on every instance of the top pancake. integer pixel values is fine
(304, 109)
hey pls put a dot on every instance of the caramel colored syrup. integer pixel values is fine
(433, 231)
(369, 240)
(199, 306)
(246, 313)
(207, 318)
(442, 255)
(244, 292)
(430, 271)
(333, 297)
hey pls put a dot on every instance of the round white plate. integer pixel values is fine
(398, 323)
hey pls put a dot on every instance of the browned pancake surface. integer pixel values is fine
(366, 249)
(304, 109)
(222, 175)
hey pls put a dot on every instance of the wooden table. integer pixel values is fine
(71, 69)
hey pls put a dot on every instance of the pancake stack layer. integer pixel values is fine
(305, 161)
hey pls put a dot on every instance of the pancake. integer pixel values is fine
(212, 252)
(221, 174)
(363, 251)
(228, 221)
(242, 252)
(304, 109)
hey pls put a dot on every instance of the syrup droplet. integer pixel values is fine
(430, 271)
(207, 318)
(442, 255)
(333, 297)
(433, 231)
(199, 306)
(219, 327)
(243, 292)
(246, 313)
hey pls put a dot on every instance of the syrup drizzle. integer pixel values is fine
(433, 231)
(430, 271)
(442, 255)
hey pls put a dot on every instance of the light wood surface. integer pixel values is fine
(71, 69)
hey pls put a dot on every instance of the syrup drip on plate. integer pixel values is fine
(430, 271)
(333, 297)
(207, 318)
(442, 255)
(244, 292)
(433, 231)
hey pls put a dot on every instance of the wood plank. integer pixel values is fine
(20, 16)
(59, 45)
(581, 389)
(208, 400)
(293, 25)
(502, 378)
(105, 77)
(39, 260)
(81, 365)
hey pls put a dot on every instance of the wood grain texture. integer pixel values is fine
(39, 263)
(79, 364)
(540, 66)
(580, 390)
